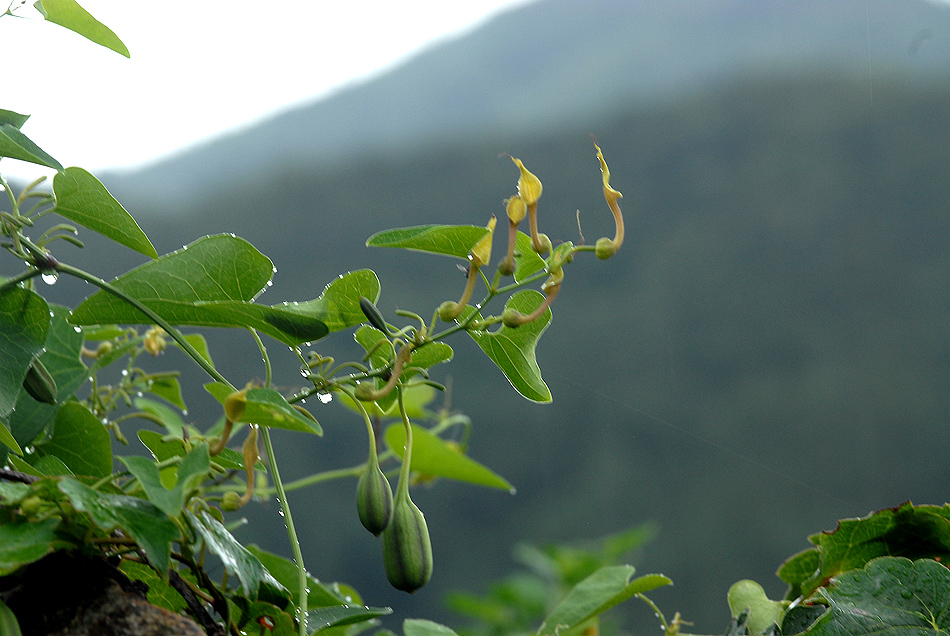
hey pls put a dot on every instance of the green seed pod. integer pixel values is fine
(407, 551)
(39, 383)
(372, 314)
(604, 248)
(449, 311)
(231, 501)
(374, 499)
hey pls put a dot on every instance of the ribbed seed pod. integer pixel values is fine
(374, 499)
(39, 383)
(407, 551)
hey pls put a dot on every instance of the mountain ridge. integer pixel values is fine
(541, 66)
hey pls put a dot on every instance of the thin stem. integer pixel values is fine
(264, 356)
(19, 278)
(291, 532)
(403, 486)
(154, 317)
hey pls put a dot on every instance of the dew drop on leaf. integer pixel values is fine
(325, 397)
(50, 278)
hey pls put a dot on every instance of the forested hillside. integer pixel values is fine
(769, 352)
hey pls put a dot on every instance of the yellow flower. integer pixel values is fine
(529, 186)
(481, 253)
(516, 208)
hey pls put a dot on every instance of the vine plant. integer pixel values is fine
(155, 520)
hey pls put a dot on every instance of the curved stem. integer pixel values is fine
(153, 316)
(291, 532)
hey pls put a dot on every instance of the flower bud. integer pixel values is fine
(372, 314)
(529, 186)
(449, 311)
(604, 248)
(39, 383)
(154, 341)
(480, 255)
(232, 501)
(516, 209)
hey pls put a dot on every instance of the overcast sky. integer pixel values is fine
(200, 68)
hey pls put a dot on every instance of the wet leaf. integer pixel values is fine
(449, 240)
(890, 596)
(236, 558)
(82, 198)
(324, 617)
(285, 571)
(421, 627)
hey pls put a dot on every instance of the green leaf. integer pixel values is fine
(82, 198)
(338, 306)
(600, 591)
(8, 622)
(7, 439)
(285, 571)
(433, 456)
(198, 341)
(166, 416)
(24, 325)
(798, 569)
(236, 558)
(62, 359)
(890, 596)
(160, 593)
(68, 14)
(325, 617)
(213, 268)
(421, 627)
(527, 261)
(16, 145)
(373, 340)
(23, 543)
(909, 531)
(209, 283)
(450, 240)
(167, 387)
(12, 118)
(512, 350)
(267, 407)
(140, 519)
(80, 441)
(51, 466)
(430, 355)
(191, 470)
(748, 596)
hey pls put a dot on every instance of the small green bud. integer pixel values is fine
(448, 311)
(232, 501)
(604, 248)
(31, 505)
(372, 314)
(104, 348)
(407, 550)
(39, 383)
(374, 499)
(544, 244)
(364, 392)
(512, 318)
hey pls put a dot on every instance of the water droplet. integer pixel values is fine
(77, 329)
(184, 412)
(50, 278)
(125, 372)
(325, 397)
(280, 512)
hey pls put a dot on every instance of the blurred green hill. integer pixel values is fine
(769, 352)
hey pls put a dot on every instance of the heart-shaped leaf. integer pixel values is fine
(82, 198)
(512, 349)
(449, 240)
(432, 456)
(80, 441)
(24, 324)
(192, 469)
